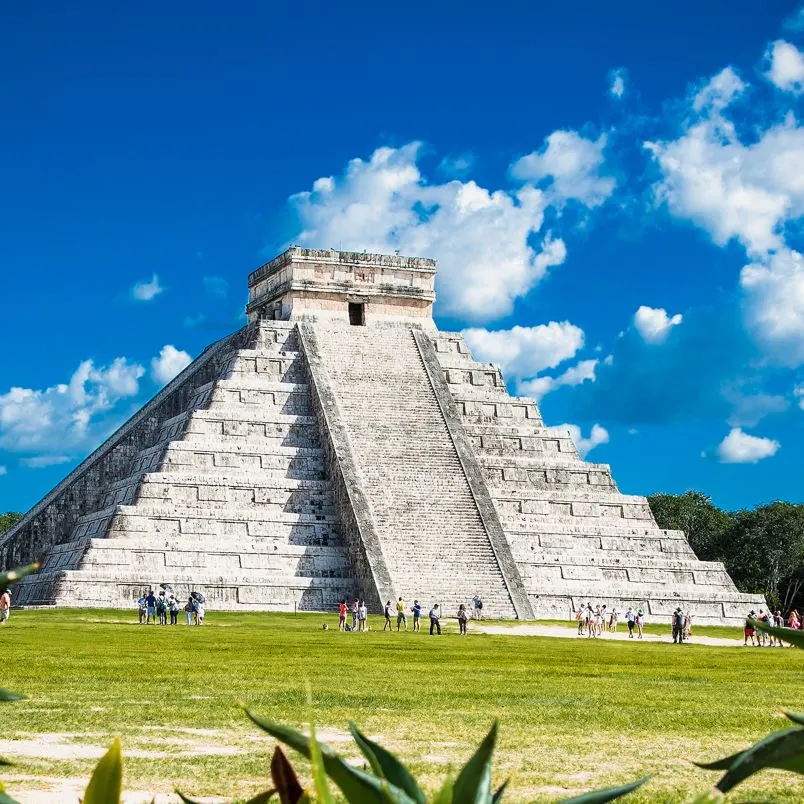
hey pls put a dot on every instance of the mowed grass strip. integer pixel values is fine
(575, 713)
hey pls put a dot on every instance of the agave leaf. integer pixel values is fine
(791, 635)
(12, 576)
(4, 797)
(600, 796)
(357, 785)
(285, 779)
(262, 798)
(106, 783)
(7, 695)
(796, 718)
(386, 765)
(186, 799)
(319, 771)
(473, 783)
(499, 792)
(444, 794)
(782, 749)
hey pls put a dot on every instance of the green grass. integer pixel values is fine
(575, 714)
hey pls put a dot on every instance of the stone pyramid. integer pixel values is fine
(339, 445)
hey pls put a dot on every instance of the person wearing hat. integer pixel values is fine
(5, 605)
(678, 625)
(749, 629)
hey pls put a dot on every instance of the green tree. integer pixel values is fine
(706, 526)
(766, 552)
(8, 519)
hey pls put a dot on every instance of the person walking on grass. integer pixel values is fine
(687, 626)
(342, 615)
(417, 615)
(748, 633)
(580, 617)
(630, 619)
(189, 611)
(678, 626)
(161, 608)
(142, 608)
(435, 619)
(362, 614)
(173, 608)
(401, 617)
(355, 613)
(591, 622)
(150, 606)
(640, 621)
(387, 612)
(5, 605)
(463, 617)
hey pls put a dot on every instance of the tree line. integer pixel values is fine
(762, 548)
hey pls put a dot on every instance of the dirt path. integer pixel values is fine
(570, 632)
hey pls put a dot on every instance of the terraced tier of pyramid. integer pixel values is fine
(340, 446)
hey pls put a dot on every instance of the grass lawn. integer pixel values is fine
(575, 714)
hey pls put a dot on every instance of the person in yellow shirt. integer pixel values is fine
(401, 617)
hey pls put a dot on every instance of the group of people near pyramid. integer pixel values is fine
(594, 622)
(359, 615)
(157, 608)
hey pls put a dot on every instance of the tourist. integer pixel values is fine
(189, 611)
(749, 630)
(603, 620)
(161, 608)
(462, 618)
(199, 601)
(5, 605)
(687, 626)
(342, 615)
(417, 615)
(630, 619)
(142, 608)
(613, 619)
(640, 621)
(401, 617)
(478, 603)
(762, 637)
(173, 608)
(355, 614)
(678, 625)
(793, 620)
(435, 619)
(387, 613)
(591, 622)
(150, 606)
(581, 618)
(362, 614)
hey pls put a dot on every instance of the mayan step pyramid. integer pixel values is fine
(337, 446)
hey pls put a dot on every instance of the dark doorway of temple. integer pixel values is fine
(357, 314)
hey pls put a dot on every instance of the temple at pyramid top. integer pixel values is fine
(342, 285)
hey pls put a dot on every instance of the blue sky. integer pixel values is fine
(615, 199)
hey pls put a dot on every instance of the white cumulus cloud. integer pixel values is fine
(67, 415)
(43, 461)
(3, 471)
(483, 238)
(617, 83)
(525, 351)
(786, 67)
(573, 165)
(537, 387)
(169, 363)
(733, 190)
(654, 324)
(740, 447)
(597, 435)
(774, 304)
(145, 291)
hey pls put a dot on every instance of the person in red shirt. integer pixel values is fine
(342, 615)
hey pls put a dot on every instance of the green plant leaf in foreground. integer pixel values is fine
(782, 749)
(8, 696)
(795, 717)
(263, 798)
(319, 771)
(791, 635)
(600, 796)
(356, 785)
(284, 778)
(386, 765)
(4, 797)
(106, 783)
(499, 792)
(473, 783)
(12, 576)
